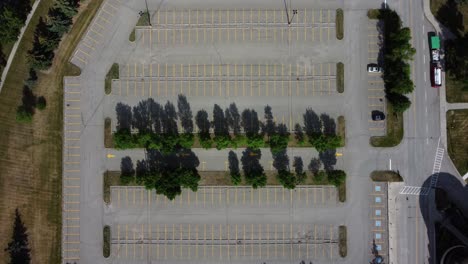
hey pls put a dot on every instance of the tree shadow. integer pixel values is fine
(250, 122)
(445, 211)
(314, 165)
(269, 127)
(185, 114)
(203, 124)
(312, 124)
(126, 166)
(233, 163)
(169, 119)
(124, 116)
(450, 16)
(233, 118)
(188, 159)
(29, 99)
(329, 125)
(328, 158)
(281, 160)
(220, 123)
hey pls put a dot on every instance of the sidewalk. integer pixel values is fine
(393, 192)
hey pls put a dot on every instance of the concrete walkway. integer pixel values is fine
(15, 47)
(457, 106)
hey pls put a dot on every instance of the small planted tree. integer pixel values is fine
(127, 171)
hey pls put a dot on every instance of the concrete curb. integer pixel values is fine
(15, 47)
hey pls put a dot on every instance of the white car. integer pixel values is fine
(374, 68)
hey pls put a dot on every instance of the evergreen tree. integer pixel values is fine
(18, 248)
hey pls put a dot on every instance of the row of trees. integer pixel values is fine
(397, 52)
(158, 128)
(254, 173)
(49, 32)
(47, 36)
(166, 173)
(13, 14)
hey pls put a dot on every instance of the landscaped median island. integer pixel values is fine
(343, 241)
(386, 176)
(339, 24)
(167, 135)
(112, 74)
(397, 52)
(106, 246)
(144, 20)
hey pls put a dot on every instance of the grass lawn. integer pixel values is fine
(458, 24)
(457, 138)
(394, 130)
(340, 77)
(36, 189)
(339, 24)
(386, 176)
(454, 92)
(343, 241)
(112, 74)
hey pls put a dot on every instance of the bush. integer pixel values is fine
(41, 103)
(23, 115)
(336, 177)
(123, 139)
(287, 179)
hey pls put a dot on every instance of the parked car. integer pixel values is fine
(372, 67)
(377, 115)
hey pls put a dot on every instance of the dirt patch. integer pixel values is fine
(457, 138)
(386, 176)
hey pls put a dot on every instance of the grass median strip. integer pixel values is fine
(341, 130)
(343, 241)
(340, 77)
(106, 245)
(142, 21)
(339, 24)
(112, 74)
(108, 142)
(394, 130)
(457, 139)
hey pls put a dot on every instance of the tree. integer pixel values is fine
(23, 115)
(11, 25)
(399, 102)
(299, 134)
(253, 171)
(234, 168)
(299, 170)
(127, 172)
(41, 103)
(18, 247)
(287, 179)
(123, 139)
(221, 128)
(279, 139)
(314, 165)
(124, 116)
(336, 177)
(312, 123)
(270, 127)
(250, 122)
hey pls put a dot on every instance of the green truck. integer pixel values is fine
(435, 49)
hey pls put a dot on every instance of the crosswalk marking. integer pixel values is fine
(414, 190)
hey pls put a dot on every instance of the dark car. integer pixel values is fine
(378, 115)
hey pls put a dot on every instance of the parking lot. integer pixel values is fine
(217, 223)
(156, 80)
(209, 197)
(210, 26)
(379, 218)
(376, 90)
